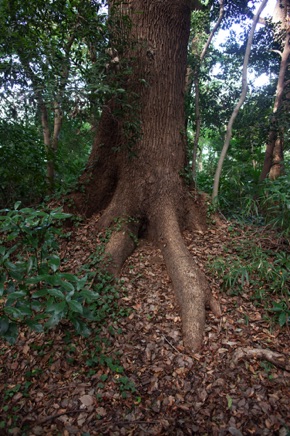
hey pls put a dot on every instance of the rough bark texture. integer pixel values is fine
(273, 163)
(196, 77)
(139, 182)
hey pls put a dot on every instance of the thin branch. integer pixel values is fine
(215, 28)
(57, 415)
(171, 345)
(277, 51)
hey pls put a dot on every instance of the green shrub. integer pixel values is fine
(263, 274)
(33, 289)
(275, 203)
(22, 164)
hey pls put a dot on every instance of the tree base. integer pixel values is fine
(162, 226)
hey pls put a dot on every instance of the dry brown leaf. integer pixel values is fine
(87, 400)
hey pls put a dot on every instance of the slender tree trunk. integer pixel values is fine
(139, 152)
(239, 104)
(273, 162)
(47, 142)
(50, 137)
(196, 75)
(197, 127)
(53, 145)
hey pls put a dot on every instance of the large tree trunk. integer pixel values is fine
(134, 169)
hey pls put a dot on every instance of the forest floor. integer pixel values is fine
(62, 384)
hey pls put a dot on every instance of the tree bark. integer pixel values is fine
(273, 165)
(133, 173)
(197, 86)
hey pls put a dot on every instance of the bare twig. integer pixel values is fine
(171, 345)
(57, 415)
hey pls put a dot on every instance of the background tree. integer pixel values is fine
(45, 63)
(273, 162)
(240, 102)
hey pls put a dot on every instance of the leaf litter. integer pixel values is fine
(51, 385)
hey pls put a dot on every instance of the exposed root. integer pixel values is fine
(279, 360)
(121, 245)
(189, 282)
(213, 303)
(118, 249)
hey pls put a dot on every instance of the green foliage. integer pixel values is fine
(23, 160)
(22, 164)
(34, 291)
(281, 312)
(265, 274)
(239, 181)
(52, 66)
(125, 385)
(71, 157)
(275, 204)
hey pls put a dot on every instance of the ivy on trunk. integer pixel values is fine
(133, 173)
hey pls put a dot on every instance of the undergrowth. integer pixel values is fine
(248, 268)
(36, 293)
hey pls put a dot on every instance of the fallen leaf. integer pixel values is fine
(87, 400)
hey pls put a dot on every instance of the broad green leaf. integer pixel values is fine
(88, 314)
(54, 320)
(282, 319)
(56, 293)
(54, 262)
(30, 264)
(69, 277)
(17, 275)
(29, 210)
(40, 293)
(16, 295)
(81, 283)
(10, 266)
(37, 306)
(45, 278)
(67, 286)
(81, 327)
(11, 334)
(34, 325)
(75, 306)
(4, 325)
(57, 308)
(89, 296)
(12, 236)
(25, 309)
(13, 311)
(2, 284)
(34, 280)
(52, 280)
(60, 215)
